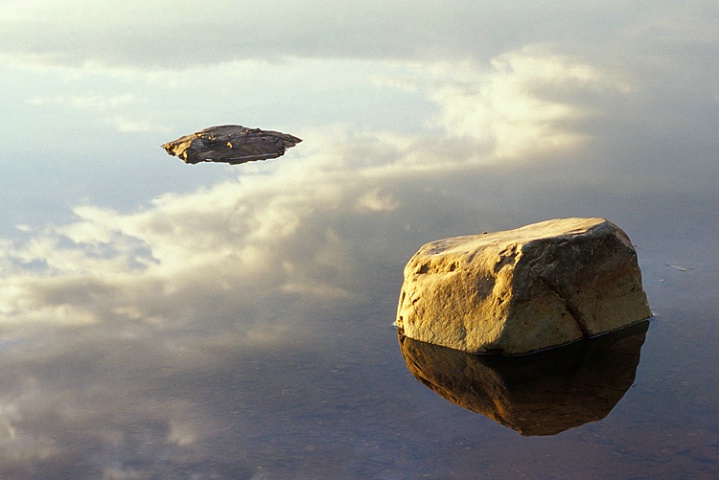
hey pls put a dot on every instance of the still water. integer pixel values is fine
(164, 320)
(310, 381)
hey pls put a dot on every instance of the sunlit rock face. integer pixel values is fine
(523, 290)
(542, 394)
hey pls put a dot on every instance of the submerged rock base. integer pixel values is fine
(523, 290)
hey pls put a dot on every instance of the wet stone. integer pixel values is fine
(524, 290)
(233, 144)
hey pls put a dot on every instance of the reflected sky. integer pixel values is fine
(160, 319)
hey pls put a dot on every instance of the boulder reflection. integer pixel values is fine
(540, 394)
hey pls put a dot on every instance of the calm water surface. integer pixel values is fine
(334, 398)
(163, 320)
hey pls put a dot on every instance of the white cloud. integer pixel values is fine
(376, 201)
(105, 105)
(90, 101)
(271, 231)
(282, 230)
(177, 34)
(526, 102)
(156, 264)
(482, 133)
(135, 125)
(21, 9)
(287, 228)
(102, 102)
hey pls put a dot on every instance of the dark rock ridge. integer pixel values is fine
(233, 144)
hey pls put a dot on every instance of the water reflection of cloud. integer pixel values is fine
(290, 227)
(530, 99)
(68, 416)
(193, 320)
(259, 236)
(84, 405)
(294, 230)
(105, 105)
(172, 34)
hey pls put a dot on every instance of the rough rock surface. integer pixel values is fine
(231, 144)
(541, 394)
(523, 290)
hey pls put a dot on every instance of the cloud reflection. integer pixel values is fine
(275, 231)
(142, 338)
(294, 227)
(526, 102)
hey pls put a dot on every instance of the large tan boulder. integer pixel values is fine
(523, 290)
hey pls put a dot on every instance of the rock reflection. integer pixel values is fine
(541, 394)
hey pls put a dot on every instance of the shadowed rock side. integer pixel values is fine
(540, 394)
(523, 290)
(233, 144)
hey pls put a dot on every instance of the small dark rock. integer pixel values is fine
(233, 144)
